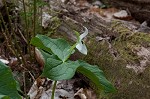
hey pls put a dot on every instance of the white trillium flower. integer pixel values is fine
(80, 45)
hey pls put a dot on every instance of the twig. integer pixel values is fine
(10, 44)
(15, 39)
(24, 85)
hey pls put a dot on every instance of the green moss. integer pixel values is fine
(129, 84)
(126, 41)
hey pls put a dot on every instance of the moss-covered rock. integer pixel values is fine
(113, 55)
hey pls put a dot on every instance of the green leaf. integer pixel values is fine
(38, 43)
(96, 75)
(47, 55)
(59, 47)
(4, 97)
(58, 70)
(8, 85)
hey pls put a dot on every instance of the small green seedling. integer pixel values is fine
(56, 53)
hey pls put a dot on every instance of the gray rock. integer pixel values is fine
(144, 28)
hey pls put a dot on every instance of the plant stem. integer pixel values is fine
(27, 29)
(53, 90)
(15, 38)
(41, 12)
(26, 22)
(8, 44)
(71, 49)
(34, 23)
(7, 36)
(24, 83)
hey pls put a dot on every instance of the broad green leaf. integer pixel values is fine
(59, 47)
(58, 70)
(96, 75)
(8, 85)
(4, 97)
(47, 55)
(38, 43)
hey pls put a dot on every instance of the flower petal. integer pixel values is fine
(82, 48)
(84, 34)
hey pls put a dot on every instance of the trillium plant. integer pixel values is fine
(57, 66)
